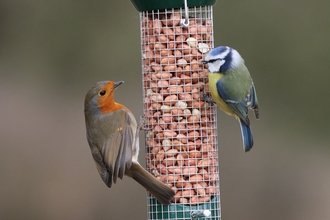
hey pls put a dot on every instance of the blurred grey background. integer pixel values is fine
(51, 52)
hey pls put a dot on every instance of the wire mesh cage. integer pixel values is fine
(181, 141)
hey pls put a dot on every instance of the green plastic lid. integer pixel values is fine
(179, 211)
(148, 5)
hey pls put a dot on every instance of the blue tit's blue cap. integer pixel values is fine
(218, 50)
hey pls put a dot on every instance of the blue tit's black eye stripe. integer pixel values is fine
(213, 60)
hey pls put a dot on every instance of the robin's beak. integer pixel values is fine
(118, 84)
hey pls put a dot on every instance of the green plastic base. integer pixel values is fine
(178, 211)
(148, 5)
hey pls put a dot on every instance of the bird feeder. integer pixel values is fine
(181, 141)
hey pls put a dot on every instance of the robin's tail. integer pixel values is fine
(158, 189)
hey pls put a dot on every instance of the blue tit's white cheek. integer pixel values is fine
(215, 66)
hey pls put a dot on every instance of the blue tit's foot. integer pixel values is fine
(208, 99)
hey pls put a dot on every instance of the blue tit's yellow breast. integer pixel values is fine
(213, 78)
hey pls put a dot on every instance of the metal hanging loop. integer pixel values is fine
(185, 21)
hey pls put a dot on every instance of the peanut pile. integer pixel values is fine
(181, 143)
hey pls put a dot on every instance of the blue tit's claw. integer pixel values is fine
(208, 99)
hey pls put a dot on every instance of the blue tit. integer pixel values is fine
(232, 88)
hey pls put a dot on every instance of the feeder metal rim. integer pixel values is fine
(149, 5)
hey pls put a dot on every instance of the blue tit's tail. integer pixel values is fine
(246, 135)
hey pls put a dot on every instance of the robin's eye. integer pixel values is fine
(102, 92)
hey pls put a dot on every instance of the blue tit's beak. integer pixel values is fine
(118, 84)
(204, 62)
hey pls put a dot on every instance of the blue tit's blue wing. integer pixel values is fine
(253, 101)
(238, 106)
